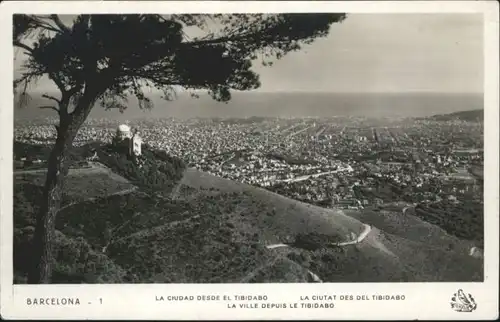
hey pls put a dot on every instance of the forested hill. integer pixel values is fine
(152, 220)
(472, 115)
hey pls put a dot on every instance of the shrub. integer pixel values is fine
(75, 260)
(26, 201)
(152, 170)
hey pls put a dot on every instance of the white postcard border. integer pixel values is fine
(422, 300)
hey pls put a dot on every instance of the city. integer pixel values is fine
(341, 162)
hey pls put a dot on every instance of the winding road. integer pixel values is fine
(316, 175)
(406, 208)
(367, 229)
(359, 239)
(276, 246)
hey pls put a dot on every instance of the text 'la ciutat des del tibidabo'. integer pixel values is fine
(265, 302)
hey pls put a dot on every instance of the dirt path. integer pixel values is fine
(119, 193)
(256, 271)
(156, 229)
(30, 171)
(176, 191)
(92, 166)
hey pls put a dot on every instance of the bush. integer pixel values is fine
(313, 241)
(301, 258)
(465, 220)
(152, 170)
(26, 200)
(75, 260)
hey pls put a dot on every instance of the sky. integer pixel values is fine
(383, 53)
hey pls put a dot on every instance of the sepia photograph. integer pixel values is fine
(243, 148)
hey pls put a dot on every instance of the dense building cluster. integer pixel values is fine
(342, 162)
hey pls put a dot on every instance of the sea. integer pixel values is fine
(281, 104)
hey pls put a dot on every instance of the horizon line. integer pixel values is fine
(311, 92)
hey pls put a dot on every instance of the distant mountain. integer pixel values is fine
(291, 104)
(473, 115)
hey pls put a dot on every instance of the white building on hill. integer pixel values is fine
(123, 132)
(131, 138)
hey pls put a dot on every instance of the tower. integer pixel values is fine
(135, 144)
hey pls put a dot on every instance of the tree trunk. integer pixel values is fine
(43, 240)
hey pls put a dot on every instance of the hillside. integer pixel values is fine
(205, 229)
(473, 115)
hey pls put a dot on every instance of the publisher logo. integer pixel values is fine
(462, 302)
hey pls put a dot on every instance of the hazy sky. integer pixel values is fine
(382, 53)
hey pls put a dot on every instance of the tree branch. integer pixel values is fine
(59, 23)
(211, 41)
(49, 107)
(58, 82)
(72, 92)
(51, 98)
(38, 22)
(23, 46)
